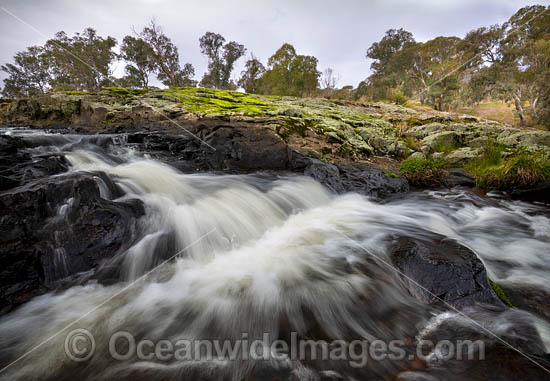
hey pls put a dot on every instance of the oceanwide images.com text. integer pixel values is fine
(80, 346)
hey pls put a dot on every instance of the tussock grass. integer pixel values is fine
(522, 169)
(423, 172)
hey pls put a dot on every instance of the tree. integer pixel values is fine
(383, 52)
(140, 63)
(81, 62)
(391, 60)
(251, 76)
(439, 64)
(290, 73)
(29, 74)
(525, 58)
(484, 43)
(166, 58)
(221, 59)
(329, 80)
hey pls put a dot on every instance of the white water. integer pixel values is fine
(258, 253)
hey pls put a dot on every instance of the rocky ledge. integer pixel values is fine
(248, 132)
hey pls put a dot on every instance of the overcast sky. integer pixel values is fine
(336, 32)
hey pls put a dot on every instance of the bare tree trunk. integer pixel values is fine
(534, 107)
(519, 109)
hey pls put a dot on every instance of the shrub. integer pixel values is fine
(422, 172)
(396, 96)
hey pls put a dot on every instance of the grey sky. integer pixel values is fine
(336, 32)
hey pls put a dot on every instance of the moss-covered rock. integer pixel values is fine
(334, 130)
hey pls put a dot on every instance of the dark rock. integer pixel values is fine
(55, 227)
(18, 167)
(362, 179)
(245, 149)
(457, 177)
(509, 346)
(539, 192)
(529, 298)
(442, 272)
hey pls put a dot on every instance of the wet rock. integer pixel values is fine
(539, 192)
(442, 272)
(456, 177)
(498, 344)
(18, 167)
(56, 227)
(234, 148)
(363, 179)
(529, 298)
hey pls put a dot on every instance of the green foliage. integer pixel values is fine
(396, 96)
(290, 73)
(140, 63)
(81, 62)
(221, 59)
(251, 76)
(544, 108)
(29, 74)
(422, 172)
(508, 62)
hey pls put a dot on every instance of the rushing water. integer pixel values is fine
(256, 254)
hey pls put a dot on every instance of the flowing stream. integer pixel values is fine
(220, 256)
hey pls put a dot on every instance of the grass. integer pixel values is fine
(423, 172)
(521, 169)
(499, 111)
(412, 143)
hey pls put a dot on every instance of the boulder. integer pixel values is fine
(442, 139)
(456, 177)
(462, 156)
(56, 227)
(527, 139)
(363, 179)
(442, 272)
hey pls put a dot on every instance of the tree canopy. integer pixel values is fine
(221, 59)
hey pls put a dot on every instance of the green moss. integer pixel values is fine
(444, 146)
(422, 172)
(294, 126)
(71, 92)
(126, 92)
(223, 102)
(500, 293)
